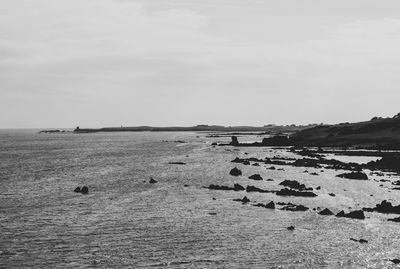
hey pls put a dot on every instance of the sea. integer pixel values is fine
(126, 222)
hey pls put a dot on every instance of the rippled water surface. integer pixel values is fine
(126, 222)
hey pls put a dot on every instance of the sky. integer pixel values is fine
(97, 63)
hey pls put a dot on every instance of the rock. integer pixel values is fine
(363, 241)
(246, 162)
(318, 188)
(255, 189)
(244, 200)
(272, 168)
(395, 261)
(387, 207)
(85, 190)
(290, 228)
(295, 185)
(255, 164)
(270, 205)
(354, 175)
(212, 213)
(270, 179)
(332, 194)
(235, 141)
(214, 144)
(325, 212)
(358, 214)
(256, 177)
(295, 208)
(179, 163)
(236, 187)
(314, 174)
(289, 192)
(186, 185)
(152, 181)
(77, 189)
(395, 219)
(235, 172)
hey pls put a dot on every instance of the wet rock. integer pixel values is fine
(236, 187)
(270, 205)
(152, 181)
(255, 189)
(256, 177)
(295, 208)
(235, 141)
(387, 207)
(295, 185)
(325, 212)
(289, 192)
(77, 189)
(395, 219)
(363, 241)
(235, 172)
(358, 214)
(332, 194)
(354, 175)
(290, 228)
(244, 200)
(395, 261)
(85, 190)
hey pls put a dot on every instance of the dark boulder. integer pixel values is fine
(295, 208)
(77, 189)
(85, 190)
(290, 228)
(235, 141)
(332, 194)
(354, 175)
(387, 207)
(235, 172)
(256, 177)
(395, 261)
(270, 205)
(238, 187)
(244, 200)
(255, 164)
(395, 219)
(358, 214)
(363, 241)
(325, 212)
(289, 192)
(255, 189)
(295, 185)
(152, 181)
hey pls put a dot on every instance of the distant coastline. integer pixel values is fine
(199, 128)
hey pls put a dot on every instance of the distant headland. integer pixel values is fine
(271, 128)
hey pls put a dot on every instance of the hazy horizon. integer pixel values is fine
(100, 63)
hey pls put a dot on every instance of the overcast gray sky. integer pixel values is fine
(96, 63)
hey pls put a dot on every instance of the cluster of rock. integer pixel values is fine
(83, 190)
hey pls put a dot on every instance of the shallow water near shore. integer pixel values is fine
(125, 222)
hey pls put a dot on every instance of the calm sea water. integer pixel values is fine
(125, 222)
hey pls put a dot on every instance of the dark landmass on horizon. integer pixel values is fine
(201, 128)
(377, 133)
